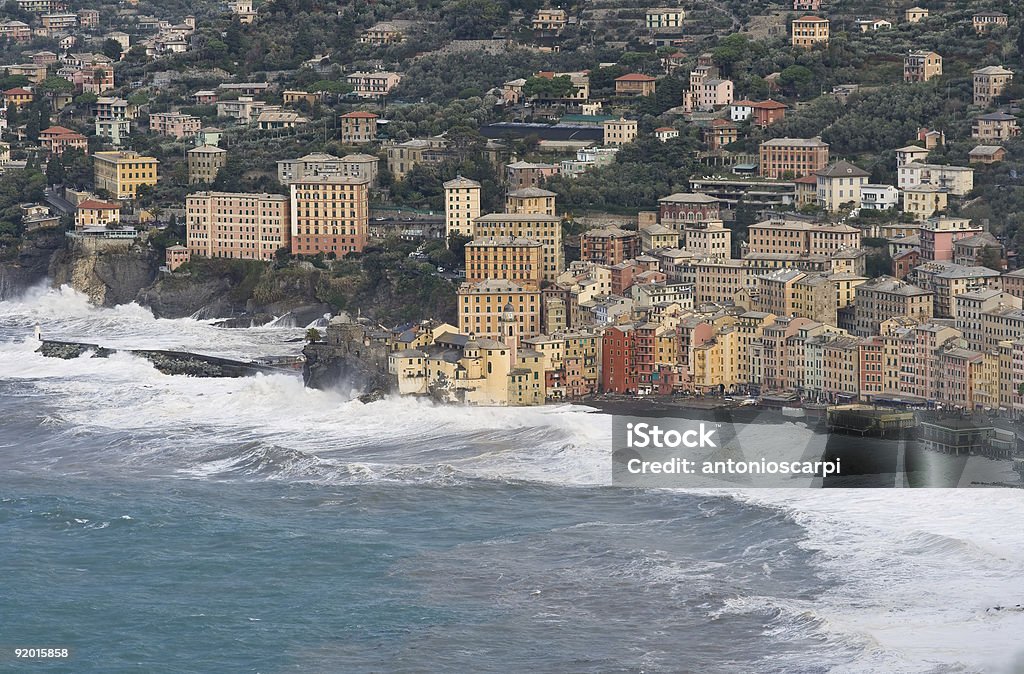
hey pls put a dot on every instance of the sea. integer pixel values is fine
(154, 523)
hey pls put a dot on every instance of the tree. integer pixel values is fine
(553, 87)
(55, 172)
(112, 49)
(312, 335)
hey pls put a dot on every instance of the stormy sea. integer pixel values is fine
(153, 523)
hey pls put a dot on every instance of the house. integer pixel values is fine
(989, 83)
(879, 197)
(808, 31)
(549, 21)
(205, 97)
(924, 201)
(712, 93)
(664, 133)
(95, 213)
(56, 139)
(18, 96)
(806, 5)
(840, 184)
(921, 66)
(635, 84)
(915, 14)
(358, 127)
(995, 126)
(985, 21)
(279, 119)
(719, 133)
(768, 112)
(740, 111)
(385, 33)
(15, 31)
(619, 131)
(665, 19)
(373, 85)
(868, 25)
(987, 154)
(910, 154)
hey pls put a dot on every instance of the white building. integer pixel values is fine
(879, 197)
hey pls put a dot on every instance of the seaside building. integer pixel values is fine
(237, 225)
(329, 214)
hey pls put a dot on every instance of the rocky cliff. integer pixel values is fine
(31, 263)
(109, 272)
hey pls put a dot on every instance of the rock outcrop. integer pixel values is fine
(109, 272)
(31, 264)
(352, 359)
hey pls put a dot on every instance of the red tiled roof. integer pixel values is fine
(361, 114)
(769, 105)
(93, 204)
(807, 180)
(635, 77)
(58, 130)
(813, 18)
(17, 91)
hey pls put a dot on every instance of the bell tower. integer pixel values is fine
(508, 325)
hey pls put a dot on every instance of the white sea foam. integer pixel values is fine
(913, 572)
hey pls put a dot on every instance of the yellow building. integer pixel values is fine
(482, 305)
(989, 83)
(122, 173)
(924, 201)
(809, 31)
(544, 228)
(915, 14)
(461, 206)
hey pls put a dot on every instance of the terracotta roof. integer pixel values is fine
(361, 114)
(769, 105)
(636, 77)
(813, 18)
(59, 130)
(17, 91)
(93, 204)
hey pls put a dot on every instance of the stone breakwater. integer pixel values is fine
(167, 362)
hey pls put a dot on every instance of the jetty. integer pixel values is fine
(176, 362)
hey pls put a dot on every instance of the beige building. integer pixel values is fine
(921, 66)
(373, 85)
(236, 225)
(796, 157)
(619, 131)
(957, 180)
(330, 214)
(358, 127)
(840, 185)
(796, 237)
(481, 306)
(530, 200)
(204, 162)
(885, 297)
(989, 83)
(547, 229)
(461, 206)
(985, 21)
(808, 31)
(320, 163)
(915, 14)
(998, 126)
(505, 258)
(402, 157)
(122, 173)
(94, 213)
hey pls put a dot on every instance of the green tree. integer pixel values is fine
(545, 87)
(111, 49)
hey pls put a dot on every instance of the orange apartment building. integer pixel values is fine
(921, 66)
(506, 258)
(56, 139)
(609, 246)
(358, 127)
(482, 305)
(238, 225)
(330, 214)
(797, 157)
